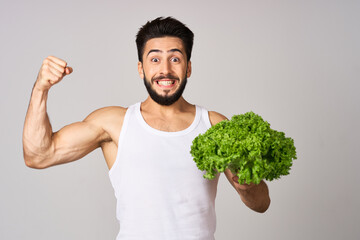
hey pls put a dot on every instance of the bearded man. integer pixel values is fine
(160, 192)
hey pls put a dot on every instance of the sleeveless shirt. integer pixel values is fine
(161, 194)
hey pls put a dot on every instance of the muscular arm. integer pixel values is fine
(256, 197)
(41, 146)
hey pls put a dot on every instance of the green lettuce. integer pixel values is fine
(247, 146)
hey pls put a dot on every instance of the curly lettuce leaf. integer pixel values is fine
(247, 146)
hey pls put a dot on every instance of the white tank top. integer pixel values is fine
(161, 194)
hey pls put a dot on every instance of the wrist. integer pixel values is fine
(39, 95)
(37, 88)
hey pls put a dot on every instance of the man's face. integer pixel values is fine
(165, 69)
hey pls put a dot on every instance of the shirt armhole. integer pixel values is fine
(206, 117)
(121, 138)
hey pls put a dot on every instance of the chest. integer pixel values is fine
(170, 124)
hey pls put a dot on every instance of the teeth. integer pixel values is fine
(165, 83)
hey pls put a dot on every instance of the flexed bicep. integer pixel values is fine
(74, 141)
(71, 142)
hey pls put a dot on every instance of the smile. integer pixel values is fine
(165, 83)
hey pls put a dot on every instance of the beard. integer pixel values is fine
(165, 100)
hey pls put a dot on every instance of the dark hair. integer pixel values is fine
(162, 27)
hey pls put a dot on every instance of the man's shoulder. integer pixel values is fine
(107, 120)
(106, 114)
(216, 117)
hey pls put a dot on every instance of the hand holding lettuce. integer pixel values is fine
(247, 146)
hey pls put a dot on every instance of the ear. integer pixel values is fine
(140, 70)
(188, 69)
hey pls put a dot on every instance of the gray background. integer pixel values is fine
(296, 63)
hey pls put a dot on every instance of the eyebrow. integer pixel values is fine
(160, 51)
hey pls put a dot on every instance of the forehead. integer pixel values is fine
(164, 43)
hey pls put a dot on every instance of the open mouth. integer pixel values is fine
(165, 83)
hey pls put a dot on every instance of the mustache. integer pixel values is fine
(168, 76)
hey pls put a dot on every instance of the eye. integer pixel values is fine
(174, 59)
(155, 60)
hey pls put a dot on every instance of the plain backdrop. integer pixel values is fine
(296, 63)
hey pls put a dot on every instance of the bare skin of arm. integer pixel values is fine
(255, 196)
(42, 147)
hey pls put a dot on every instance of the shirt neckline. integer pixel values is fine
(164, 133)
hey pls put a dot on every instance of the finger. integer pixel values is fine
(53, 79)
(56, 72)
(58, 61)
(68, 70)
(56, 66)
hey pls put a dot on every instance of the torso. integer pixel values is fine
(114, 116)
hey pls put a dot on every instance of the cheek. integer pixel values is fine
(150, 72)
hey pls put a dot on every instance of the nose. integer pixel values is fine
(165, 68)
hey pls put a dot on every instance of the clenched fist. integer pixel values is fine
(51, 72)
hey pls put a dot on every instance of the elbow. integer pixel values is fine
(37, 157)
(31, 163)
(34, 162)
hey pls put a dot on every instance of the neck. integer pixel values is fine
(150, 105)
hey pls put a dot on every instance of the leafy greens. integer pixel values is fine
(247, 146)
